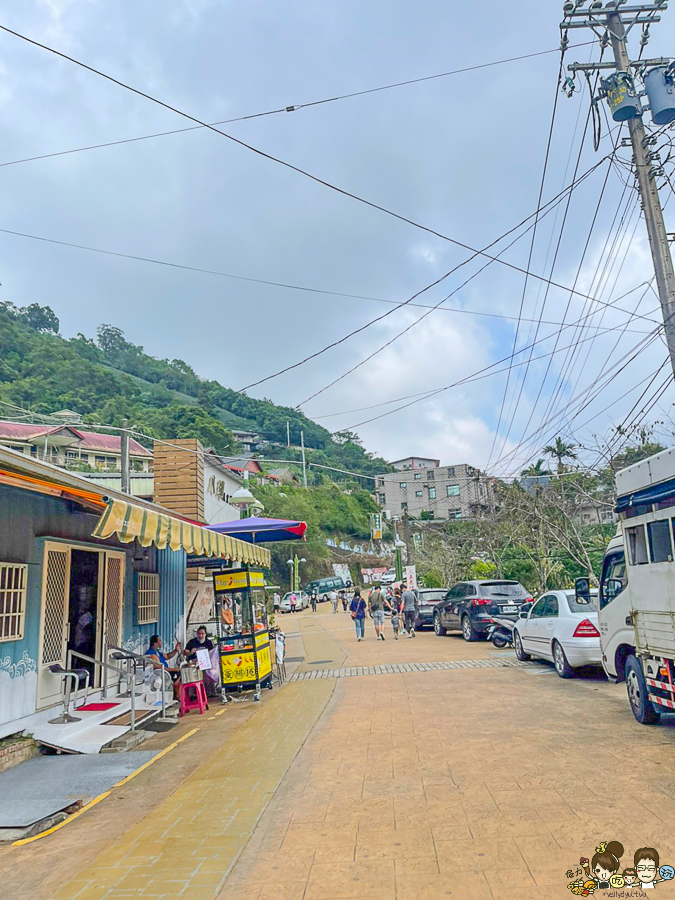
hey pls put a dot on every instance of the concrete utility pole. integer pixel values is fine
(609, 24)
(304, 463)
(125, 485)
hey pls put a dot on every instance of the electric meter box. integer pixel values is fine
(622, 97)
(660, 85)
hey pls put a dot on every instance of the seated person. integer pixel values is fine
(159, 661)
(201, 642)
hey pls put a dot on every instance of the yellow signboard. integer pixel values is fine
(239, 667)
(239, 580)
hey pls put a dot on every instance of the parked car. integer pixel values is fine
(323, 587)
(302, 601)
(389, 577)
(428, 598)
(563, 629)
(469, 606)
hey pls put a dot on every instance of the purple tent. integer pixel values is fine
(257, 530)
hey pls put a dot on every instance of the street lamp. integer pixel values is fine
(295, 571)
(399, 545)
(245, 502)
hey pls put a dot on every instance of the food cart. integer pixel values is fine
(243, 631)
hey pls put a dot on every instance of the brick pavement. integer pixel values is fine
(468, 780)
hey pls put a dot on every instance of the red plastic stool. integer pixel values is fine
(199, 702)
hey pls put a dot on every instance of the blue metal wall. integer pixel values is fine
(27, 520)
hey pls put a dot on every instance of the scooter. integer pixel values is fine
(501, 632)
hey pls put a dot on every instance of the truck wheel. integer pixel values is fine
(438, 628)
(636, 686)
(562, 667)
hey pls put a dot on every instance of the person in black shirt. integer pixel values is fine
(201, 642)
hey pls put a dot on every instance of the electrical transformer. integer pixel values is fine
(660, 85)
(622, 97)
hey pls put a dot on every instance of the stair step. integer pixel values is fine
(126, 742)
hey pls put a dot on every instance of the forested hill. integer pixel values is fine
(109, 379)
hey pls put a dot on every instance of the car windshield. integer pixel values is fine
(431, 596)
(509, 589)
(578, 606)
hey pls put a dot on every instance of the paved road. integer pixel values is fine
(474, 778)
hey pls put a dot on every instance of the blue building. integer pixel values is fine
(81, 573)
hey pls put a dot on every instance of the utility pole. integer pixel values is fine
(609, 24)
(288, 435)
(304, 463)
(125, 466)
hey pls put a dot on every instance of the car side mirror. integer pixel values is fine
(582, 590)
(523, 615)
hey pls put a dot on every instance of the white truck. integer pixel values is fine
(637, 588)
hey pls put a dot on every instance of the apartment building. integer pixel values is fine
(436, 492)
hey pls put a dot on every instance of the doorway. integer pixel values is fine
(84, 608)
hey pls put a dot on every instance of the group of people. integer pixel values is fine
(161, 660)
(402, 605)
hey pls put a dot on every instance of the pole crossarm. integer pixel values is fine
(639, 64)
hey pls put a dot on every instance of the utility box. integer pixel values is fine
(660, 85)
(622, 97)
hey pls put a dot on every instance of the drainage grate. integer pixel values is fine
(295, 659)
(320, 662)
(405, 668)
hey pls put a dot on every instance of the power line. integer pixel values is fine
(272, 158)
(465, 380)
(542, 184)
(287, 109)
(278, 284)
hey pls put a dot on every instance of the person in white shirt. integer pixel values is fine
(334, 600)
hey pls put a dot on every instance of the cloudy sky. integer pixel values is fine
(461, 155)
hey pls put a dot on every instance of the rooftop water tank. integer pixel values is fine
(660, 86)
(622, 97)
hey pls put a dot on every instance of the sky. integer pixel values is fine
(461, 155)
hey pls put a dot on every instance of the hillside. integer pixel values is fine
(109, 379)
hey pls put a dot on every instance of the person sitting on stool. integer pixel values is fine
(159, 661)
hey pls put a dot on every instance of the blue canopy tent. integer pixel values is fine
(256, 530)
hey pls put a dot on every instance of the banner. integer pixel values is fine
(410, 577)
(376, 526)
(371, 575)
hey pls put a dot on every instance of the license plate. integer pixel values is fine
(509, 609)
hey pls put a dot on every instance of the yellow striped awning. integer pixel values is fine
(130, 522)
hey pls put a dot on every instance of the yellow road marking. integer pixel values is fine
(106, 793)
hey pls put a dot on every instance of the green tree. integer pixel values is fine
(40, 318)
(561, 451)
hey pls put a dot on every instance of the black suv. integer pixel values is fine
(468, 607)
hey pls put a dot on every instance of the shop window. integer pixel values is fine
(637, 546)
(147, 598)
(452, 490)
(12, 600)
(660, 549)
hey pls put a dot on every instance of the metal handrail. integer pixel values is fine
(134, 659)
(97, 662)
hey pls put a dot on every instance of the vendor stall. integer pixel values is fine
(243, 632)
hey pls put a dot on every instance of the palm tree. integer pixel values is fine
(536, 470)
(561, 451)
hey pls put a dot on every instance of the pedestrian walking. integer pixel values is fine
(334, 600)
(292, 601)
(343, 598)
(409, 603)
(358, 610)
(314, 600)
(376, 607)
(277, 603)
(394, 604)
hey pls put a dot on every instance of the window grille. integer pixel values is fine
(148, 598)
(12, 600)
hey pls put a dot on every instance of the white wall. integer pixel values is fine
(218, 484)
